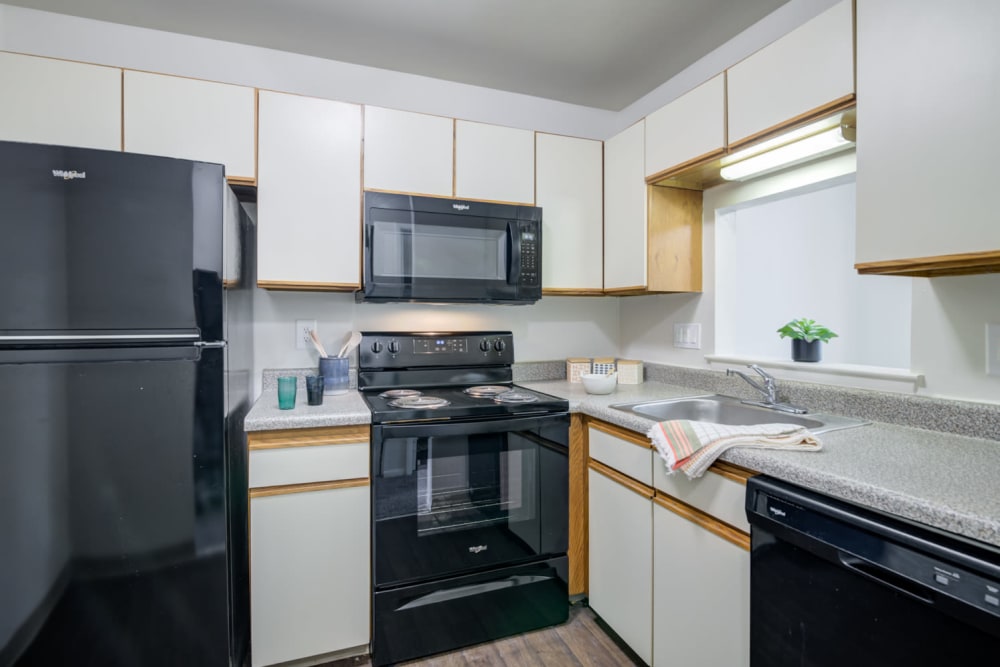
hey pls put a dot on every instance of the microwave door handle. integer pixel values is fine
(513, 254)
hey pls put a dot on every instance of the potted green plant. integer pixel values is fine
(806, 336)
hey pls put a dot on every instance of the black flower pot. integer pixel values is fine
(806, 350)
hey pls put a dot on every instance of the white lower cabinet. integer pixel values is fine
(620, 560)
(310, 591)
(701, 594)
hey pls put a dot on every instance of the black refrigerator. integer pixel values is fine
(125, 365)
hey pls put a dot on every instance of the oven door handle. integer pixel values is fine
(464, 428)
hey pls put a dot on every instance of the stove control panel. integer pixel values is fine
(408, 350)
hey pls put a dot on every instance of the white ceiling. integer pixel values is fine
(598, 53)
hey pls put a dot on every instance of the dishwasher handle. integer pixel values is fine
(886, 577)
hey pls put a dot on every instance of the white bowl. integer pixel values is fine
(599, 384)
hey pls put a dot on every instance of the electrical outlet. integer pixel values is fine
(302, 329)
(993, 349)
(687, 335)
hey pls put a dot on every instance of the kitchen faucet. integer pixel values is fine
(768, 388)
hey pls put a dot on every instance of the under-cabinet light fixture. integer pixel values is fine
(813, 145)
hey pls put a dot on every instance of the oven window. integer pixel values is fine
(459, 486)
(454, 502)
(437, 251)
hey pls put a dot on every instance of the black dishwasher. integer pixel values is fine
(834, 584)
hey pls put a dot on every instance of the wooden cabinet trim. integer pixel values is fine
(732, 472)
(245, 180)
(708, 522)
(571, 291)
(624, 480)
(931, 267)
(579, 518)
(620, 432)
(303, 286)
(288, 489)
(308, 437)
(840, 104)
(685, 166)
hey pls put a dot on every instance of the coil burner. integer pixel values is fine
(486, 390)
(421, 402)
(515, 396)
(399, 393)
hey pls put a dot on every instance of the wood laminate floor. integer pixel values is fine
(579, 642)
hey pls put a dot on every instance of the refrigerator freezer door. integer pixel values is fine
(113, 494)
(99, 241)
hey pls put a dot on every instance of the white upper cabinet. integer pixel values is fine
(191, 119)
(928, 91)
(568, 188)
(690, 128)
(308, 193)
(408, 152)
(49, 101)
(494, 163)
(625, 210)
(808, 69)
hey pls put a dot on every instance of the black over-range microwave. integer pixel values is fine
(446, 250)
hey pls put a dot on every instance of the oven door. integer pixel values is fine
(461, 497)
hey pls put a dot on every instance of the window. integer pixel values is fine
(792, 255)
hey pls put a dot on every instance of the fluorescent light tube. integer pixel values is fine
(815, 146)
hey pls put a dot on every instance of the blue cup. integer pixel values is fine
(335, 375)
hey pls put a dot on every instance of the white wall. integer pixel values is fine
(553, 328)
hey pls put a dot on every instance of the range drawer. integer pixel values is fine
(279, 458)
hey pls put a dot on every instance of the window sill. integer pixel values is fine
(850, 375)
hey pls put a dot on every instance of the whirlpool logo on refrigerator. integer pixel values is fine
(460, 207)
(68, 174)
(478, 549)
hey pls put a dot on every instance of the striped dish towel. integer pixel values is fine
(692, 446)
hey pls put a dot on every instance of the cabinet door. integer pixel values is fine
(191, 119)
(408, 152)
(47, 101)
(689, 129)
(625, 210)
(568, 188)
(701, 593)
(810, 68)
(309, 572)
(308, 193)
(620, 564)
(494, 163)
(930, 94)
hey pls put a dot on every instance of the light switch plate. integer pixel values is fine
(993, 349)
(687, 335)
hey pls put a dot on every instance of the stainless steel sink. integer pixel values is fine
(727, 410)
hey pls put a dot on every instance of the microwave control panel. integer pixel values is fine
(529, 257)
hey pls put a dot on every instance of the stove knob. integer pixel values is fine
(484, 345)
(393, 347)
(376, 347)
(499, 346)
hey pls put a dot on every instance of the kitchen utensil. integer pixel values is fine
(351, 343)
(317, 344)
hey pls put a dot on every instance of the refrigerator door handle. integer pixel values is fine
(210, 345)
(97, 338)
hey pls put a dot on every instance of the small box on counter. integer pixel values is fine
(629, 371)
(602, 365)
(575, 367)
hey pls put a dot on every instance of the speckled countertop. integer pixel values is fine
(944, 480)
